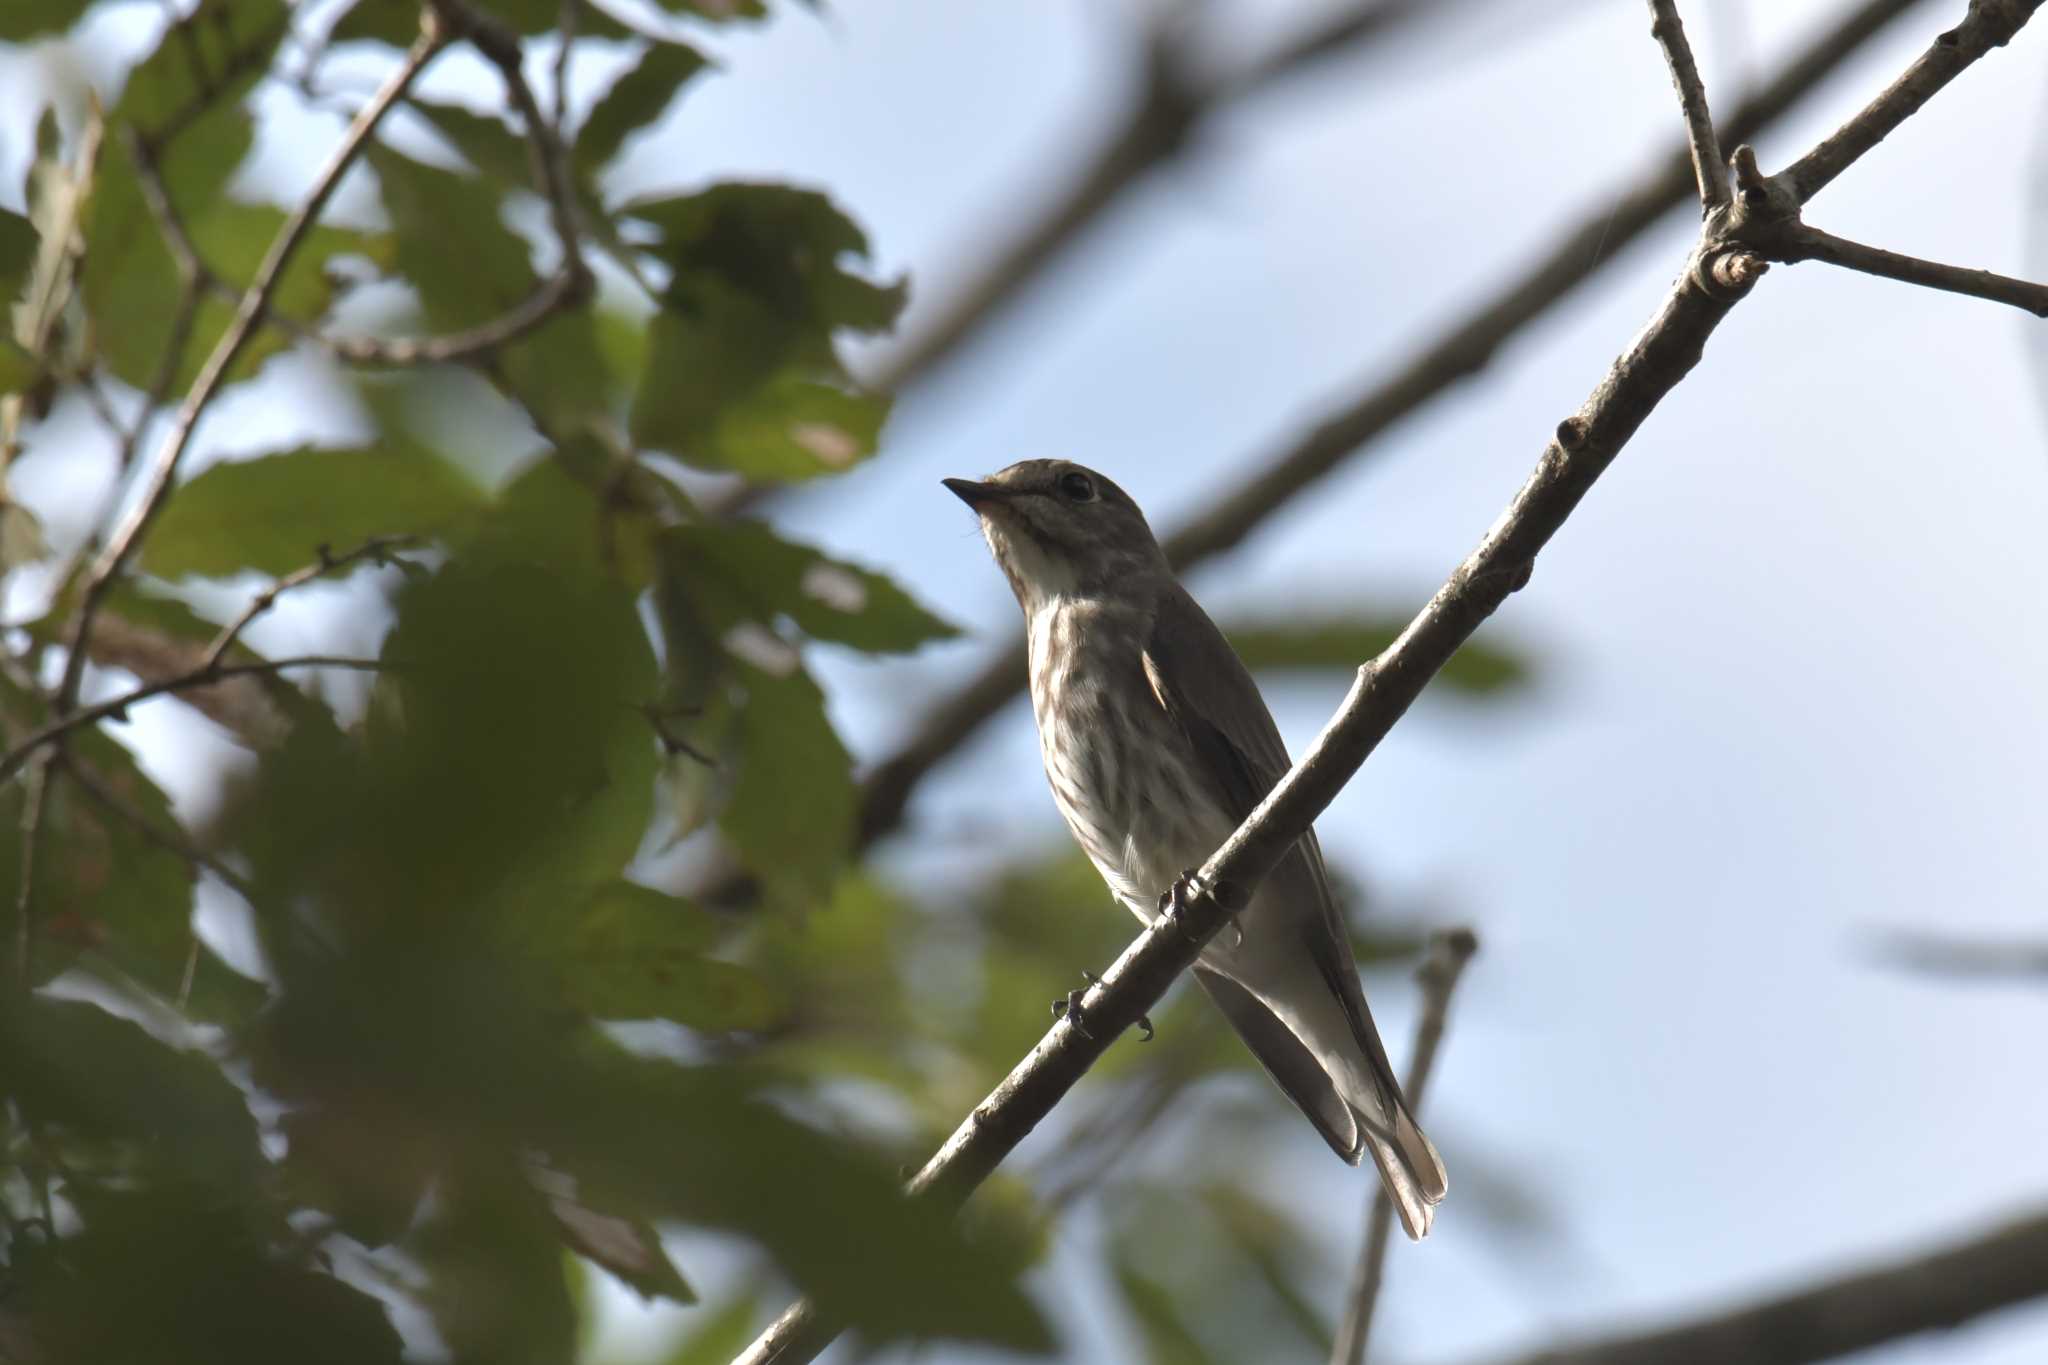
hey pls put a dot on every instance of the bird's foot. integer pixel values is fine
(1069, 1009)
(1174, 902)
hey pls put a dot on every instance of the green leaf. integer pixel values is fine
(825, 598)
(634, 101)
(741, 371)
(397, 22)
(1345, 641)
(717, 11)
(1169, 1339)
(73, 1066)
(18, 246)
(273, 513)
(635, 953)
(793, 801)
(21, 19)
(470, 269)
(719, 1337)
(483, 139)
(17, 368)
(791, 429)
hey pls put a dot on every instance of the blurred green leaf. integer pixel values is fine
(498, 1291)
(22, 19)
(1168, 1338)
(17, 368)
(634, 100)
(368, 1165)
(469, 269)
(1345, 641)
(81, 1072)
(824, 598)
(273, 513)
(793, 802)
(483, 139)
(635, 953)
(18, 246)
(717, 11)
(397, 22)
(199, 1284)
(717, 1336)
(741, 370)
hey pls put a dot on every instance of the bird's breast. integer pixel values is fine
(1121, 772)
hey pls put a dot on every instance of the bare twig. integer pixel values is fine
(377, 548)
(1717, 275)
(117, 707)
(1170, 103)
(1991, 23)
(1438, 975)
(1707, 167)
(1811, 244)
(562, 289)
(171, 840)
(1975, 959)
(34, 803)
(1929, 1292)
(248, 318)
(1462, 350)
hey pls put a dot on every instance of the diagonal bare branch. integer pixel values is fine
(1928, 1292)
(1989, 24)
(1718, 273)
(1707, 166)
(1811, 244)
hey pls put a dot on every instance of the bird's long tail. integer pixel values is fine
(1409, 1167)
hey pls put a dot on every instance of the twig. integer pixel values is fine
(248, 317)
(1929, 1292)
(1976, 959)
(1991, 23)
(377, 548)
(117, 707)
(1707, 167)
(1462, 350)
(1438, 976)
(34, 802)
(1169, 105)
(563, 289)
(170, 840)
(1811, 244)
(1717, 275)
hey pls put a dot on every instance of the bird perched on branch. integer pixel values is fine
(1158, 745)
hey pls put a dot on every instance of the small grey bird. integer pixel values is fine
(1158, 745)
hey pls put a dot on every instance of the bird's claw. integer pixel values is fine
(1069, 1009)
(1174, 901)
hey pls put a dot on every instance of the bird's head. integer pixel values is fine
(1059, 529)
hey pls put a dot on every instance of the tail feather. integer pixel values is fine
(1409, 1167)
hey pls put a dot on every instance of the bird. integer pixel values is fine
(1157, 745)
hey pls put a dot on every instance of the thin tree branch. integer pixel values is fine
(1707, 167)
(1971, 959)
(173, 840)
(565, 288)
(1438, 975)
(248, 318)
(1812, 244)
(117, 707)
(1990, 23)
(1928, 1292)
(1462, 350)
(35, 801)
(377, 548)
(1717, 275)
(1170, 103)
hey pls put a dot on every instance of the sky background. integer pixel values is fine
(1790, 648)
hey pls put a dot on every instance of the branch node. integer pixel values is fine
(1571, 433)
(1728, 273)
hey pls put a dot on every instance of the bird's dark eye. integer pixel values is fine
(1077, 487)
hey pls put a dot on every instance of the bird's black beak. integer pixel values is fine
(976, 495)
